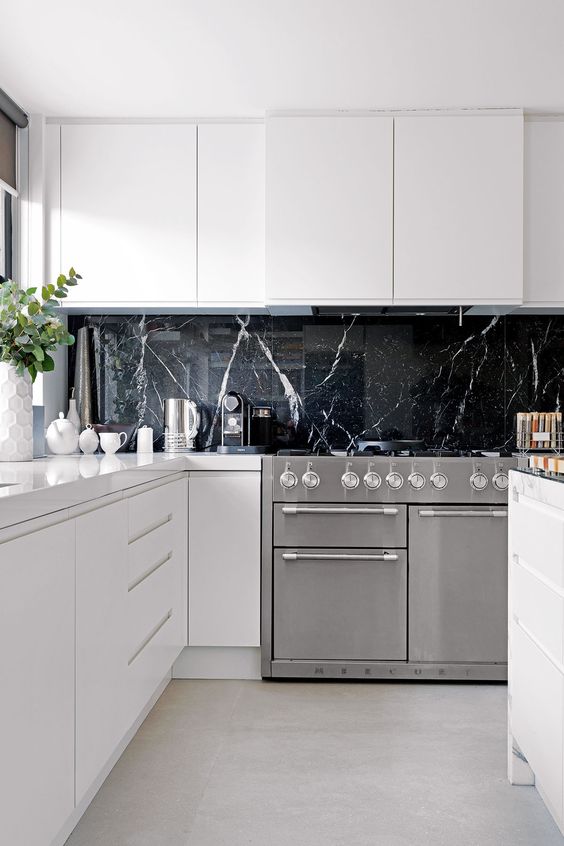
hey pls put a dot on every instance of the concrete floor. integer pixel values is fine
(221, 763)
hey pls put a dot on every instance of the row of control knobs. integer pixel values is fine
(350, 480)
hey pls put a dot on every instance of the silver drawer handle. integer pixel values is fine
(341, 556)
(431, 513)
(307, 509)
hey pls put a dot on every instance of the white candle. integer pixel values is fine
(145, 439)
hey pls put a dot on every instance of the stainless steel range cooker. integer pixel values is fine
(385, 566)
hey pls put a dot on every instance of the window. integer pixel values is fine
(6, 235)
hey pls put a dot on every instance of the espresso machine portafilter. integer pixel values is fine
(181, 425)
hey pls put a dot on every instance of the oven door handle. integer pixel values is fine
(307, 509)
(338, 556)
(429, 512)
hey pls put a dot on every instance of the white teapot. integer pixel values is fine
(88, 440)
(62, 437)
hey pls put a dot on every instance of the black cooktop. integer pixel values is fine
(410, 449)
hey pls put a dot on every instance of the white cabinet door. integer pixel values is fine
(231, 214)
(224, 559)
(536, 688)
(544, 212)
(37, 701)
(458, 209)
(329, 183)
(101, 659)
(128, 213)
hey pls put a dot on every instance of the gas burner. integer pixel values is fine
(389, 447)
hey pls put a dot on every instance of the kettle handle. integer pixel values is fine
(195, 423)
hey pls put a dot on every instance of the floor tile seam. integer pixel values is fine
(205, 786)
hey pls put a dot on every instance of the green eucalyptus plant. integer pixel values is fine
(29, 326)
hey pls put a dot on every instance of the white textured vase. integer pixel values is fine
(16, 415)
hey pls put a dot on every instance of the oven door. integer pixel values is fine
(458, 584)
(340, 604)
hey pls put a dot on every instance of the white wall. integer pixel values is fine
(218, 57)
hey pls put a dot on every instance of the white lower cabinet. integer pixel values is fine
(536, 637)
(93, 614)
(37, 702)
(101, 659)
(224, 559)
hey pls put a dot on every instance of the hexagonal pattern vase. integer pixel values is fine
(16, 415)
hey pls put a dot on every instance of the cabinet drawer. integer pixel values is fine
(149, 552)
(149, 603)
(154, 508)
(152, 663)
(339, 525)
(537, 702)
(538, 608)
(537, 537)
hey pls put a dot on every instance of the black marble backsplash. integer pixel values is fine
(331, 380)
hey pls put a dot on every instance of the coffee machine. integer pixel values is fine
(235, 420)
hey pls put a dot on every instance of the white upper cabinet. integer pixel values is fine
(231, 214)
(544, 212)
(128, 213)
(458, 209)
(329, 208)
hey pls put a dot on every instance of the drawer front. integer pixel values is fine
(150, 551)
(340, 525)
(537, 702)
(150, 601)
(538, 608)
(152, 663)
(154, 508)
(345, 604)
(537, 537)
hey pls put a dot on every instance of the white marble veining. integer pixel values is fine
(30, 489)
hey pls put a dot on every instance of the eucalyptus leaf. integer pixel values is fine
(30, 328)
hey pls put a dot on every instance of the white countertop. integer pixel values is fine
(543, 487)
(30, 489)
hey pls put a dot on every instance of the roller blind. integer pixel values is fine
(7, 151)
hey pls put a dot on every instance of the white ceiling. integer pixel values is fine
(182, 58)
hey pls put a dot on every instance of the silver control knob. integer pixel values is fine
(416, 480)
(310, 479)
(479, 481)
(439, 481)
(394, 480)
(372, 480)
(501, 481)
(350, 480)
(288, 479)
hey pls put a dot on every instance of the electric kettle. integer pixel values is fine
(181, 425)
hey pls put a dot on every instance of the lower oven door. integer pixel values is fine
(340, 604)
(458, 584)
